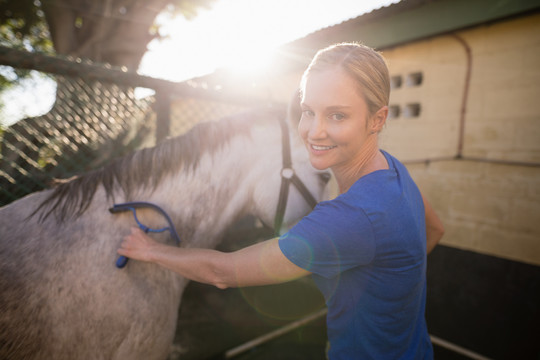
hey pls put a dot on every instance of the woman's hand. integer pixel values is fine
(434, 227)
(137, 245)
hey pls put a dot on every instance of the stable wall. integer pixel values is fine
(474, 152)
(490, 199)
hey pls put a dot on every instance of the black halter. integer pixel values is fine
(288, 176)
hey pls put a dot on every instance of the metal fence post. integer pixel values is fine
(162, 107)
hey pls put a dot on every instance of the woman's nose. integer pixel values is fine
(317, 128)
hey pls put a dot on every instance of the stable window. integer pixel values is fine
(414, 79)
(396, 81)
(412, 110)
(394, 111)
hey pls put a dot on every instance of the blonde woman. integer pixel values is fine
(366, 249)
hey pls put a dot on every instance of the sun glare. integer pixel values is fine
(241, 35)
(215, 39)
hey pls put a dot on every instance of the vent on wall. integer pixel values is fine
(411, 109)
(396, 81)
(414, 79)
(394, 111)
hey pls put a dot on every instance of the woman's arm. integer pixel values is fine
(259, 264)
(434, 226)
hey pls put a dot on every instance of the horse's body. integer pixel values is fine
(61, 296)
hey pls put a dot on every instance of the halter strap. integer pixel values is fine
(288, 176)
(122, 260)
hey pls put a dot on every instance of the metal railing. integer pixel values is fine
(95, 117)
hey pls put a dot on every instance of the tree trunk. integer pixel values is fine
(115, 32)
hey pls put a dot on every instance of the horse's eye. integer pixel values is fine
(325, 177)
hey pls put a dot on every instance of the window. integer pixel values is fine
(394, 111)
(409, 108)
(396, 82)
(412, 110)
(414, 79)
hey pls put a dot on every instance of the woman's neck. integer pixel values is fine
(369, 159)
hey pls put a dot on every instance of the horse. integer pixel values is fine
(62, 297)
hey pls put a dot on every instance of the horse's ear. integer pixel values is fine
(294, 111)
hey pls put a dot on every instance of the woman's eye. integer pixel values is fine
(337, 117)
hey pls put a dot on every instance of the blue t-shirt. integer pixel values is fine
(367, 252)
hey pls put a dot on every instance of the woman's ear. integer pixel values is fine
(379, 119)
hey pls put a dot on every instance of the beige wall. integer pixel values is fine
(492, 208)
(487, 208)
(503, 116)
(434, 133)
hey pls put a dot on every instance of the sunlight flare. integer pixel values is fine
(240, 35)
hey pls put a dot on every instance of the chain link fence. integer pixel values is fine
(95, 116)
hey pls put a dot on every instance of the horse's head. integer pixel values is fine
(298, 189)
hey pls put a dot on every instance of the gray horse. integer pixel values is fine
(62, 297)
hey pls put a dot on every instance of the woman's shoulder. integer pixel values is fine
(394, 163)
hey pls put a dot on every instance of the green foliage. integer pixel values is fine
(189, 9)
(23, 26)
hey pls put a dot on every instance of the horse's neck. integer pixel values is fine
(210, 198)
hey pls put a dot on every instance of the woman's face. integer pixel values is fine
(334, 123)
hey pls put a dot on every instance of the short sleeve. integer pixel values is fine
(333, 238)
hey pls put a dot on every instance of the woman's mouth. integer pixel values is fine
(321, 147)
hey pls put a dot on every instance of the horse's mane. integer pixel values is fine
(146, 168)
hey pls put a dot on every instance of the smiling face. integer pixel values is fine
(336, 126)
(345, 92)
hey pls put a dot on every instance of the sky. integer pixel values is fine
(241, 34)
(236, 34)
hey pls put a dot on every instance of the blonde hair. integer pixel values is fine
(363, 64)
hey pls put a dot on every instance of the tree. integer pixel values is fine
(85, 119)
(108, 31)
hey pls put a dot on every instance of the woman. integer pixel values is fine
(366, 249)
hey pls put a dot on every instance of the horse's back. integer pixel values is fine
(62, 297)
(22, 327)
